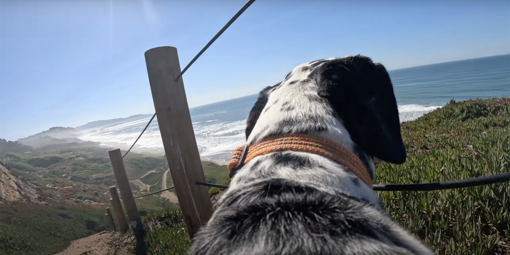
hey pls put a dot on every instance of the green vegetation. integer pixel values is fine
(166, 232)
(137, 165)
(461, 140)
(80, 176)
(153, 203)
(214, 172)
(10, 146)
(43, 229)
(213, 191)
(44, 161)
(23, 167)
(153, 178)
(80, 165)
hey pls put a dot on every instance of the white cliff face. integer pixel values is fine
(14, 189)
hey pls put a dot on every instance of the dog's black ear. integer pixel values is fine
(361, 93)
(256, 110)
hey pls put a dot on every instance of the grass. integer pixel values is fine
(137, 166)
(10, 146)
(215, 173)
(166, 232)
(153, 178)
(461, 140)
(42, 229)
(153, 203)
(79, 164)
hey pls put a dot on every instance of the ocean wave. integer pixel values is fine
(216, 139)
(410, 112)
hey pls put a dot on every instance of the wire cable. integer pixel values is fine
(146, 195)
(478, 181)
(197, 56)
(216, 36)
(154, 115)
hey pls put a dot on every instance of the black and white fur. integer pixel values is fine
(302, 203)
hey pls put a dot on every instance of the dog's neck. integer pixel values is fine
(295, 108)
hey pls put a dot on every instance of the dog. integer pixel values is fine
(304, 200)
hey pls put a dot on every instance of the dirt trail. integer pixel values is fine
(141, 185)
(167, 194)
(103, 243)
(150, 172)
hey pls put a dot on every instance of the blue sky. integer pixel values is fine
(65, 63)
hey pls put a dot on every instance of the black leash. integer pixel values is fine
(478, 181)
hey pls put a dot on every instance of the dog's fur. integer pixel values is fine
(302, 203)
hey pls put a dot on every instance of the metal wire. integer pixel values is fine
(197, 56)
(211, 185)
(140, 135)
(146, 195)
(505, 177)
(479, 181)
(216, 36)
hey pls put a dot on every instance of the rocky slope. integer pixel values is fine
(14, 189)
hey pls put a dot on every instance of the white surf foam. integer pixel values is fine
(215, 139)
(410, 112)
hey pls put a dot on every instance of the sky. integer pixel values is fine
(66, 63)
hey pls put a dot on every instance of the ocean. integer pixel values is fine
(219, 127)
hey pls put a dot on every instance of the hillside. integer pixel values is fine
(56, 138)
(106, 123)
(15, 147)
(458, 141)
(66, 190)
(14, 189)
(44, 229)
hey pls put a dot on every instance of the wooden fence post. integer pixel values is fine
(117, 209)
(128, 199)
(178, 137)
(110, 219)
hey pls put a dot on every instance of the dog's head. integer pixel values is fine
(355, 91)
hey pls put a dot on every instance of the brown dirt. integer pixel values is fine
(167, 194)
(141, 185)
(103, 243)
(13, 189)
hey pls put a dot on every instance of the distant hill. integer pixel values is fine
(57, 138)
(54, 132)
(10, 146)
(106, 123)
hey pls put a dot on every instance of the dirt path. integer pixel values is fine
(151, 171)
(167, 194)
(141, 185)
(103, 243)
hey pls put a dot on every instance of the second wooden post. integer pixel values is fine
(127, 197)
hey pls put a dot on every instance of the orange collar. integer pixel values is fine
(303, 143)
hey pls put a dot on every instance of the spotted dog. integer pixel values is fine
(298, 202)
